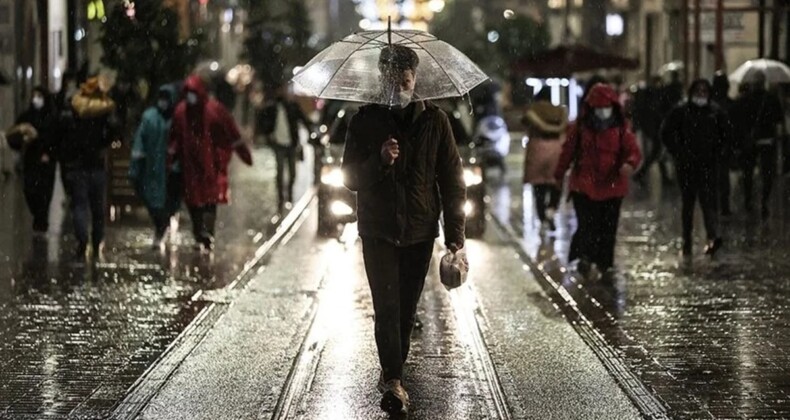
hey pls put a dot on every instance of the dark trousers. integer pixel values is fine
(286, 160)
(699, 183)
(161, 215)
(39, 183)
(766, 156)
(541, 193)
(396, 276)
(204, 219)
(595, 237)
(724, 183)
(654, 154)
(88, 188)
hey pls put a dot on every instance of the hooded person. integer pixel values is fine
(545, 124)
(88, 128)
(39, 160)
(148, 167)
(602, 153)
(697, 133)
(203, 137)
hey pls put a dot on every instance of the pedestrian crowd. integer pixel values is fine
(180, 152)
(706, 134)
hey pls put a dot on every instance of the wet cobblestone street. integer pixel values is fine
(73, 338)
(708, 337)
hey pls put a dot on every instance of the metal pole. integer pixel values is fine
(697, 39)
(776, 15)
(761, 29)
(684, 16)
(719, 34)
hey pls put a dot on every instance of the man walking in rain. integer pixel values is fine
(404, 165)
(696, 134)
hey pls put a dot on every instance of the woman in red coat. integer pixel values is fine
(203, 136)
(602, 153)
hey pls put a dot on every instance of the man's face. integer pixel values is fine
(400, 81)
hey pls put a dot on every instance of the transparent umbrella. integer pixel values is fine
(348, 70)
(774, 71)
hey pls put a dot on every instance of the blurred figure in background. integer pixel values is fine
(545, 124)
(649, 111)
(203, 136)
(148, 168)
(37, 127)
(279, 123)
(89, 128)
(720, 95)
(763, 123)
(601, 152)
(696, 134)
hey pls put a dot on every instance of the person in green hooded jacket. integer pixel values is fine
(148, 168)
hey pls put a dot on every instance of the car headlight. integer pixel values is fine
(332, 176)
(473, 176)
(339, 208)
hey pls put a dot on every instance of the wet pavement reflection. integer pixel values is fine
(73, 338)
(708, 336)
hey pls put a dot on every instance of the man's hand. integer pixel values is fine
(389, 151)
(453, 247)
(627, 170)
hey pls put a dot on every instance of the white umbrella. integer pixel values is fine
(348, 69)
(774, 71)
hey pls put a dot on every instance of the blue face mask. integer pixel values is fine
(192, 98)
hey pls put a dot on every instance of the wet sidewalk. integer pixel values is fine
(298, 343)
(74, 338)
(707, 338)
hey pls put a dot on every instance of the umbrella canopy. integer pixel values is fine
(564, 60)
(348, 70)
(774, 72)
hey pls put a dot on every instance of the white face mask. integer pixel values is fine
(38, 102)
(603, 113)
(405, 97)
(699, 101)
(192, 98)
(163, 104)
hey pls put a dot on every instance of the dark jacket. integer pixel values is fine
(401, 203)
(45, 121)
(268, 121)
(696, 136)
(762, 112)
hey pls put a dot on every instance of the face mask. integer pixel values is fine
(405, 97)
(163, 105)
(603, 113)
(699, 101)
(192, 98)
(38, 102)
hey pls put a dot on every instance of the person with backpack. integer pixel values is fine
(696, 133)
(602, 153)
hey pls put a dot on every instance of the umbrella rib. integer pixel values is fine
(345, 60)
(445, 72)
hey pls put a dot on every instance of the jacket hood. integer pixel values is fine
(699, 82)
(602, 96)
(195, 84)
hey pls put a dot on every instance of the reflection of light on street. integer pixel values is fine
(473, 176)
(332, 176)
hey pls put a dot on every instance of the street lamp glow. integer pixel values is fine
(509, 14)
(614, 24)
(493, 37)
(214, 66)
(364, 24)
(436, 6)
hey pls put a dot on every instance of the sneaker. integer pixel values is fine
(395, 399)
(713, 246)
(584, 268)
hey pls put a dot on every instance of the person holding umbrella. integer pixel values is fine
(404, 165)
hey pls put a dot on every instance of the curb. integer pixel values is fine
(649, 404)
(156, 376)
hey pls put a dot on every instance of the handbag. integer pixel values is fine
(453, 269)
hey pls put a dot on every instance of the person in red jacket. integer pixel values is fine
(203, 136)
(602, 153)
